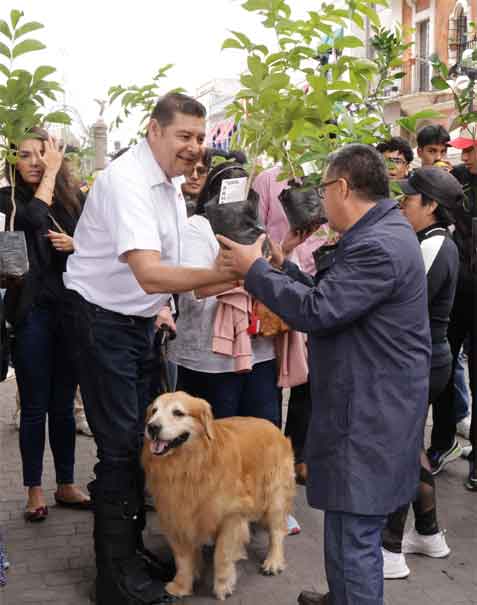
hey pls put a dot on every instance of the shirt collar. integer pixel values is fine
(371, 217)
(154, 173)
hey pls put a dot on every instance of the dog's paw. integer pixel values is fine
(224, 588)
(272, 567)
(177, 590)
(222, 591)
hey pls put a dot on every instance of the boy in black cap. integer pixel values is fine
(430, 197)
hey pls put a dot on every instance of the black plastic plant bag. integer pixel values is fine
(13, 255)
(303, 208)
(236, 220)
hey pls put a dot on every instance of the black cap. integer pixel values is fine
(436, 184)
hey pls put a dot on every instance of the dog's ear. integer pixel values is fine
(207, 419)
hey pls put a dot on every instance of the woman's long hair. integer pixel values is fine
(65, 193)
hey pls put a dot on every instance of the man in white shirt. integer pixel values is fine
(125, 265)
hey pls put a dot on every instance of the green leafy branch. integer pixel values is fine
(141, 99)
(23, 94)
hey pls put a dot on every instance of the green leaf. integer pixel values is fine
(4, 29)
(42, 72)
(57, 117)
(5, 71)
(31, 26)
(27, 46)
(231, 43)
(439, 83)
(4, 50)
(15, 16)
(371, 14)
(427, 114)
(348, 42)
(243, 39)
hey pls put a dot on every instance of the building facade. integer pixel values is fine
(435, 27)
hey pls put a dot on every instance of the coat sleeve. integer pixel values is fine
(361, 279)
(293, 270)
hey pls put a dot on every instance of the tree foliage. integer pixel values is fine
(23, 94)
(311, 95)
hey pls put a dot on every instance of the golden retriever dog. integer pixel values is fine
(210, 479)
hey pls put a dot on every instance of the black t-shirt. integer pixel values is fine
(441, 259)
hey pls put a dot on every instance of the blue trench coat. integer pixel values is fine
(369, 357)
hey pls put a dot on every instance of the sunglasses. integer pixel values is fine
(200, 170)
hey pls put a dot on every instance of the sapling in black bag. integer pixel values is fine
(303, 207)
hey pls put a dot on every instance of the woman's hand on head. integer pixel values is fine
(52, 157)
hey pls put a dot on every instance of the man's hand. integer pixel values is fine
(238, 258)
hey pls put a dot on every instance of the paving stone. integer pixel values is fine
(53, 562)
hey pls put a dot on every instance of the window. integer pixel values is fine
(423, 66)
(458, 34)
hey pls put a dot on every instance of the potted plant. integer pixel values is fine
(23, 95)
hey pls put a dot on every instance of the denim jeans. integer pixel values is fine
(252, 393)
(110, 351)
(47, 384)
(353, 558)
(461, 390)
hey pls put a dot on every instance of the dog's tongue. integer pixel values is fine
(157, 447)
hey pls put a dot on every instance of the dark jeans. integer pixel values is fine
(353, 558)
(110, 351)
(298, 418)
(462, 324)
(252, 393)
(47, 384)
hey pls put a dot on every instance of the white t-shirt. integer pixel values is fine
(192, 347)
(131, 206)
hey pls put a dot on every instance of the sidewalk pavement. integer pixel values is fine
(53, 562)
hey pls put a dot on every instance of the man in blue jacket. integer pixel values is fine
(369, 344)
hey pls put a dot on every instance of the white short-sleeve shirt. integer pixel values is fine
(192, 347)
(131, 206)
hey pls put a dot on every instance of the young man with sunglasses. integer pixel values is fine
(366, 316)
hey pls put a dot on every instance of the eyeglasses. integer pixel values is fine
(398, 161)
(321, 188)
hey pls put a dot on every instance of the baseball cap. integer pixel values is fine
(467, 137)
(434, 183)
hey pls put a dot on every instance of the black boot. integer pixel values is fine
(123, 576)
(313, 598)
(163, 568)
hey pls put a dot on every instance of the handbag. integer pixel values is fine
(268, 323)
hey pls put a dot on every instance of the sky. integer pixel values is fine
(95, 44)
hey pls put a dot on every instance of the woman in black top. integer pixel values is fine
(431, 194)
(48, 208)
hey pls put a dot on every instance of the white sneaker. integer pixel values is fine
(82, 426)
(466, 452)
(432, 546)
(463, 427)
(394, 565)
(293, 526)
